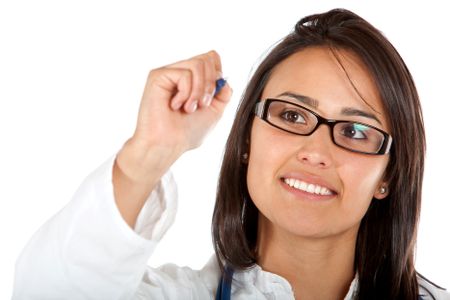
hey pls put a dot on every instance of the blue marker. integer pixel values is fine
(220, 83)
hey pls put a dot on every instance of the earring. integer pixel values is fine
(245, 157)
(382, 190)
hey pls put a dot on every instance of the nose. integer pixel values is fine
(315, 149)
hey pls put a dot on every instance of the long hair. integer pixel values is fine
(384, 257)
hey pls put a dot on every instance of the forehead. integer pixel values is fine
(335, 80)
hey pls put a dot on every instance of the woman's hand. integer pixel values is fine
(177, 110)
(178, 107)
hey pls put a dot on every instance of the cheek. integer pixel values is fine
(361, 177)
(267, 154)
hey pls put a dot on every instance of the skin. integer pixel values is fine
(177, 110)
(310, 240)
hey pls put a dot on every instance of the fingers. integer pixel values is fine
(225, 93)
(197, 90)
(184, 85)
(209, 80)
(197, 67)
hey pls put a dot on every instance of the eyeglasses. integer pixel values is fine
(296, 119)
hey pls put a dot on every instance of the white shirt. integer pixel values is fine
(87, 251)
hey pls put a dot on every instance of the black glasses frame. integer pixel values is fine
(262, 110)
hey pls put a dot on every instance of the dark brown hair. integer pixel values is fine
(384, 258)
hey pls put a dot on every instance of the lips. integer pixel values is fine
(313, 185)
(308, 187)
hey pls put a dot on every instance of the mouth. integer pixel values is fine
(307, 187)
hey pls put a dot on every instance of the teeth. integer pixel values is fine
(303, 186)
(308, 187)
(317, 190)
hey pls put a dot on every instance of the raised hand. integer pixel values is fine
(177, 110)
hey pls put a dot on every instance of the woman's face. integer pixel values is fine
(276, 156)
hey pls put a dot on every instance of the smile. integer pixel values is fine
(308, 187)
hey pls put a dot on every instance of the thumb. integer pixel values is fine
(222, 98)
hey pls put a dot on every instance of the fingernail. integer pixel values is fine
(193, 106)
(207, 99)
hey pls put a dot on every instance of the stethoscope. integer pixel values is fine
(224, 288)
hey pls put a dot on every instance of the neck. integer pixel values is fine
(316, 268)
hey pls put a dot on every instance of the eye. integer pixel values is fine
(355, 131)
(292, 116)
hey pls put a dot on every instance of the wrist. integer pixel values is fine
(144, 162)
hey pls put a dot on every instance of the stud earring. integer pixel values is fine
(382, 190)
(245, 157)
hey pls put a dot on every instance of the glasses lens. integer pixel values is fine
(291, 117)
(358, 137)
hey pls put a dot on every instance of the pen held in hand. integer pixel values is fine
(220, 83)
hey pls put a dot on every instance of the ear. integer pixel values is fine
(382, 191)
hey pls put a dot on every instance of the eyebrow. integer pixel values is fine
(346, 111)
(303, 99)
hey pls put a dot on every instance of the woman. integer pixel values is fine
(319, 193)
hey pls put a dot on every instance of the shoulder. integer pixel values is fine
(429, 290)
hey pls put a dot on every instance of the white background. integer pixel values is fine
(71, 78)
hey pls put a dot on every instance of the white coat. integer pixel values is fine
(87, 251)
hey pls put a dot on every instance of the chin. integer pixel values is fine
(303, 227)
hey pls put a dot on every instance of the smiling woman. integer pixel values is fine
(319, 193)
(344, 69)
